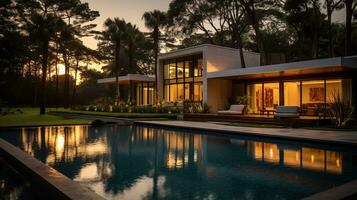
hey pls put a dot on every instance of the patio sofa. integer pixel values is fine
(287, 112)
(233, 110)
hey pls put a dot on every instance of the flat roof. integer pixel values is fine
(127, 78)
(196, 49)
(318, 65)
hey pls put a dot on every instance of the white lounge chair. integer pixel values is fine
(233, 110)
(287, 112)
(168, 104)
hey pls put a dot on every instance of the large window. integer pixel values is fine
(313, 96)
(183, 78)
(309, 95)
(255, 96)
(292, 93)
(271, 95)
(144, 93)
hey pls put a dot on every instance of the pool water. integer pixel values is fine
(13, 186)
(139, 162)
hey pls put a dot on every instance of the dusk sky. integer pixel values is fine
(130, 10)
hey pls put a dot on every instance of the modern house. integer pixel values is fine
(213, 74)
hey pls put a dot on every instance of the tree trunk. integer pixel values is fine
(117, 66)
(57, 96)
(75, 83)
(316, 37)
(56, 93)
(241, 54)
(259, 41)
(329, 27)
(36, 84)
(131, 59)
(348, 34)
(44, 75)
(66, 79)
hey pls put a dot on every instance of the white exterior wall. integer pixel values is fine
(215, 58)
(219, 90)
(223, 58)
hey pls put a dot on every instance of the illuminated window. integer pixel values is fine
(183, 78)
(292, 93)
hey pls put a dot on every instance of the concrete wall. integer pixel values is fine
(218, 92)
(222, 58)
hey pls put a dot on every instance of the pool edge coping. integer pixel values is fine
(245, 133)
(344, 191)
(46, 175)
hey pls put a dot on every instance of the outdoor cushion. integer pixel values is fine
(168, 104)
(234, 109)
(287, 111)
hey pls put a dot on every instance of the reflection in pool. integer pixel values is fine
(136, 162)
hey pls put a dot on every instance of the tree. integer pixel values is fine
(331, 6)
(155, 20)
(306, 18)
(350, 6)
(133, 37)
(114, 33)
(42, 27)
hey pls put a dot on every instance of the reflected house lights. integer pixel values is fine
(179, 149)
(304, 157)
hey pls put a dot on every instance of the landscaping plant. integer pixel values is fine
(340, 111)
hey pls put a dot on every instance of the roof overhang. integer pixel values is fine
(124, 80)
(318, 66)
(194, 51)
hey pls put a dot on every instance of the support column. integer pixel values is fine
(281, 93)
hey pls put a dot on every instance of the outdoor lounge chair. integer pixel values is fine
(168, 104)
(287, 112)
(233, 110)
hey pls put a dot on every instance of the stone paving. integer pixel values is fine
(334, 137)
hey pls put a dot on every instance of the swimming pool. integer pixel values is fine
(139, 162)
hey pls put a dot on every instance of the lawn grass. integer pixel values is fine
(116, 114)
(31, 117)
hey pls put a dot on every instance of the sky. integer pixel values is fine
(130, 10)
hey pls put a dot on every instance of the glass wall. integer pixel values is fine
(309, 95)
(255, 96)
(271, 95)
(144, 93)
(313, 96)
(183, 79)
(292, 93)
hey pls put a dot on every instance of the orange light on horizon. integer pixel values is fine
(61, 69)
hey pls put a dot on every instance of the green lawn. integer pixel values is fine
(116, 114)
(31, 117)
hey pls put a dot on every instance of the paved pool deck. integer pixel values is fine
(331, 137)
